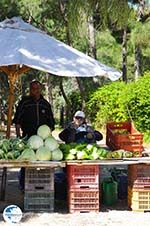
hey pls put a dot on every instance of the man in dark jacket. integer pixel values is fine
(32, 112)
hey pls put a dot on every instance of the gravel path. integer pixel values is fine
(109, 218)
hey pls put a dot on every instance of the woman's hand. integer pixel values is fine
(90, 136)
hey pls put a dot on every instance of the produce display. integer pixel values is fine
(11, 148)
(44, 147)
(91, 152)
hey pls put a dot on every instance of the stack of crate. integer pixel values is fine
(39, 189)
(83, 188)
(139, 187)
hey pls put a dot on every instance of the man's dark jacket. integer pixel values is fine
(31, 114)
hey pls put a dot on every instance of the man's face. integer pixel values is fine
(35, 90)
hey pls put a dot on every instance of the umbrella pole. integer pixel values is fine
(12, 72)
(10, 104)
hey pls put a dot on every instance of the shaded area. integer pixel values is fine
(16, 196)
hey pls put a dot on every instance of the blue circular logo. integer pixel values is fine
(12, 214)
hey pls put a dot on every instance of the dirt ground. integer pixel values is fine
(108, 216)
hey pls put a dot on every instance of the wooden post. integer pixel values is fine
(12, 72)
(10, 103)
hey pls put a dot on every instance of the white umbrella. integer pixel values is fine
(23, 46)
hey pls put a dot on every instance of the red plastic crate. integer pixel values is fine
(83, 176)
(142, 183)
(123, 135)
(83, 200)
(138, 171)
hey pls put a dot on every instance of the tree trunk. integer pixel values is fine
(92, 53)
(138, 51)
(48, 89)
(141, 8)
(91, 38)
(82, 91)
(68, 112)
(124, 56)
(61, 122)
(63, 14)
(68, 115)
(138, 55)
(63, 92)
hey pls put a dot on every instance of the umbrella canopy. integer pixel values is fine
(23, 46)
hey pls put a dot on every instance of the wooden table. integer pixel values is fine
(124, 161)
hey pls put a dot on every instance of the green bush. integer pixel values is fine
(138, 102)
(119, 101)
(147, 137)
(105, 105)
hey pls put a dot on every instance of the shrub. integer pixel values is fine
(119, 101)
(105, 105)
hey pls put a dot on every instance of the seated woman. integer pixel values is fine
(78, 131)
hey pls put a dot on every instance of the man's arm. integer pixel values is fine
(51, 118)
(17, 118)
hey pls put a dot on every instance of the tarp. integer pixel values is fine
(23, 44)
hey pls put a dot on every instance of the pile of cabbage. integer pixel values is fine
(43, 147)
(83, 151)
(92, 152)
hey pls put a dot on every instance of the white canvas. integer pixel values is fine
(23, 44)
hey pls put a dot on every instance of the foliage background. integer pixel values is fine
(68, 21)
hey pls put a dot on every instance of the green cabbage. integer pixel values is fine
(35, 142)
(27, 154)
(94, 155)
(57, 155)
(51, 143)
(70, 156)
(43, 153)
(73, 151)
(81, 155)
(44, 131)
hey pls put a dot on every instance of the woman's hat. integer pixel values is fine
(79, 114)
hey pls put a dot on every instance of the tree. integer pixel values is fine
(101, 14)
(8, 9)
(142, 17)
